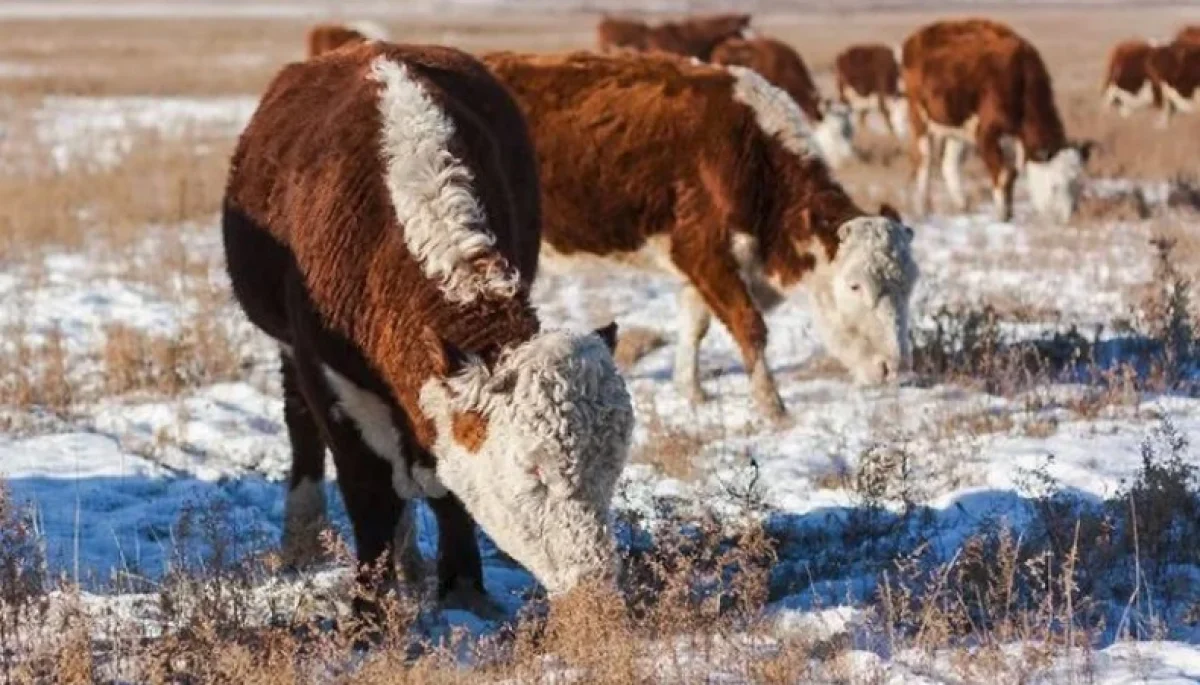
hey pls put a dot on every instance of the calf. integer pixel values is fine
(780, 65)
(1128, 85)
(325, 37)
(1176, 68)
(977, 81)
(381, 224)
(868, 80)
(753, 211)
(692, 37)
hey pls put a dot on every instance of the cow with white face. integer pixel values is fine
(978, 82)
(754, 215)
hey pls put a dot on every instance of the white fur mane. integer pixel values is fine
(775, 111)
(888, 250)
(431, 191)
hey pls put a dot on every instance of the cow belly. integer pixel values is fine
(965, 132)
(654, 255)
(373, 418)
(1180, 102)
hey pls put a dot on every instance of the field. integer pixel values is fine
(1025, 510)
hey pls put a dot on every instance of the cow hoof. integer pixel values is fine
(693, 393)
(466, 598)
(772, 408)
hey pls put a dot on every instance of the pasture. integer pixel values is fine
(1026, 508)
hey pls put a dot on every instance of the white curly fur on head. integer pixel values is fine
(861, 298)
(558, 425)
(1055, 185)
(775, 111)
(431, 191)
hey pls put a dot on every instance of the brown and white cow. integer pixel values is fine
(751, 211)
(1128, 85)
(691, 37)
(783, 67)
(977, 82)
(381, 223)
(1176, 69)
(868, 80)
(330, 36)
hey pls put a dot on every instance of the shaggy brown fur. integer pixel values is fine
(323, 38)
(318, 261)
(868, 71)
(1176, 68)
(778, 63)
(692, 37)
(1128, 69)
(610, 133)
(955, 71)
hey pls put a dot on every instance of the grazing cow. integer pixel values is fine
(1188, 34)
(1176, 69)
(780, 65)
(977, 81)
(1127, 84)
(868, 80)
(693, 37)
(381, 223)
(325, 37)
(750, 211)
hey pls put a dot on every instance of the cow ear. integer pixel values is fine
(609, 335)
(445, 358)
(890, 212)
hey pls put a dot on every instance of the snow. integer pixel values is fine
(108, 484)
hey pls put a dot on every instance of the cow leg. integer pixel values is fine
(713, 271)
(460, 567)
(1168, 109)
(694, 320)
(1003, 175)
(304, 511)
(407, 551)
(886, 113)
(925, 149)
(952, 159)
(364, 479)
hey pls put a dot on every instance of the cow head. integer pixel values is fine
(861, 297)
(1055, 181)
(533, 446)
(834, 134)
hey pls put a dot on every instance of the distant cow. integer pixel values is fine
(692, 37)
(779, 64)
(868, 80)
(977, 81)
(325, 37)
(1188, 34)
(709, 174)
(1176, 68)
(381, 224)
(1128, 85)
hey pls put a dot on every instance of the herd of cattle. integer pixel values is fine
(389, 206)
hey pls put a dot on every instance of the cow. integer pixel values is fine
(692, 37)
(976, 81)
(1188, 34)
(330, 36)
(780, 65)
(381, 224)
(1128, 85)
(751, 212)
(1176, 69)
(868, 80)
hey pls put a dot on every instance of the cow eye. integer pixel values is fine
(855, 287)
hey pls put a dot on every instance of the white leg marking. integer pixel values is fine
(432, 191)
(694, 320)
(303, 516)
(1001, 200)
(406, 550)
(952, 158)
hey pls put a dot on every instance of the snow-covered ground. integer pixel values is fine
(108, 482)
